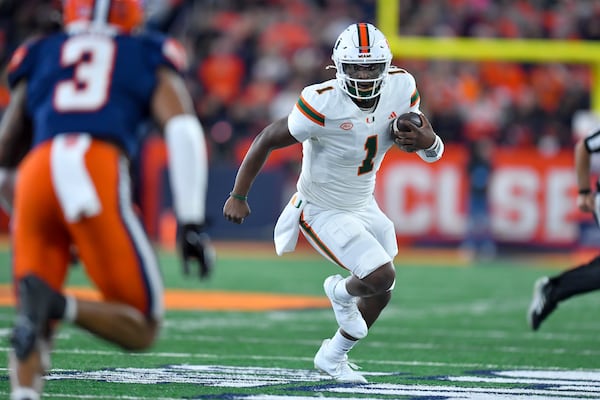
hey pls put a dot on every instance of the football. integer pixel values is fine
(397, 127)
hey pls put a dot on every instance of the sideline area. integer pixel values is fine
(233, 300)
(208, 300)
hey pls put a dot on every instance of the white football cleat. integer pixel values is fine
(23, 393)
(341, 371)
(347, 314)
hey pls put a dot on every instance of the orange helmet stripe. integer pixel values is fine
(363, 38)
(125, 14)
(101, 9)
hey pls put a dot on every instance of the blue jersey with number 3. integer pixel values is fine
(97, 83)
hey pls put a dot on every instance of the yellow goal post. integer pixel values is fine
(480, 49)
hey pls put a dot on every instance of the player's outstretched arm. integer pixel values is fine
(173, 109)
(274, 136)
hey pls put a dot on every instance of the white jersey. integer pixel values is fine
(344, 146)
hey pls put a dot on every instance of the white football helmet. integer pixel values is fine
(362, 58)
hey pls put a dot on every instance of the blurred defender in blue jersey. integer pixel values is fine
(77, 98)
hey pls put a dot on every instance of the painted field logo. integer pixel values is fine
(474, 385)
(207, 375)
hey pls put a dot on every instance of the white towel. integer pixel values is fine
(74, 187)
(287, 227)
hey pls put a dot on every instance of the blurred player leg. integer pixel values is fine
(548, 292)
(118, 258)
(112, 245)
(40, 254)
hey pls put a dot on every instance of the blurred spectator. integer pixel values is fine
(221, 73)
(479, 243)
(252, 56)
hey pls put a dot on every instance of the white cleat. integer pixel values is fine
(341, 371)
(24, 393)
(347, 314)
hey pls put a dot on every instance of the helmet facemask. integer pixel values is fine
(362, 58)
(363, 81)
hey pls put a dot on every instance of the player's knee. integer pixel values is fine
(141, 335)
(382, 279)
(139, 343)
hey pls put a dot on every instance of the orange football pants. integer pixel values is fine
(112, 245)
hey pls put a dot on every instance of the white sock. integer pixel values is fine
(341, 293)
(340, 345)
(21, 393)
(70, 309)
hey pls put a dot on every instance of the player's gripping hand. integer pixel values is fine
(194, 246)
(412, 135)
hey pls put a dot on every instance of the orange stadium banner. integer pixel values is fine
(424, 200)
(532, 197)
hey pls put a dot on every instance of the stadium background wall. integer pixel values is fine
(532, 199)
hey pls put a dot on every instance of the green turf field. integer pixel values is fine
(449, 333)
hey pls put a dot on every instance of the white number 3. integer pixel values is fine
(92, 58)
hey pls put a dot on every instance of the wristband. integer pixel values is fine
(585, 191)
(433, 152)
(238, 196)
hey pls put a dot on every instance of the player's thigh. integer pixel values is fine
(344, 239)
(40, 240)
(381, 227)
(113, 245)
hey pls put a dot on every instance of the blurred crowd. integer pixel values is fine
(249, 59)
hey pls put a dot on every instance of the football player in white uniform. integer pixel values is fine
(344, 127)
